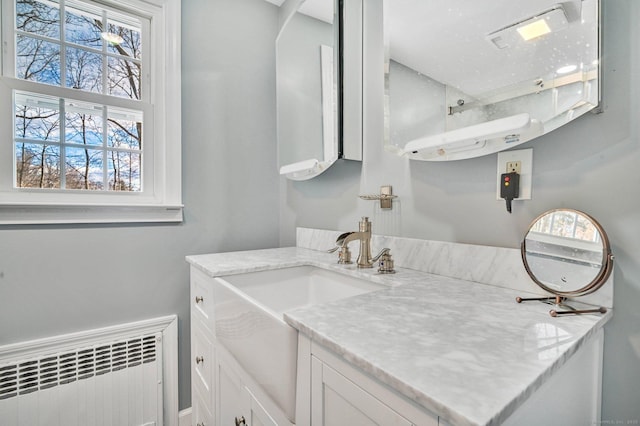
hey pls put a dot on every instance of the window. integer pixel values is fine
(89, 111)
(569, 225)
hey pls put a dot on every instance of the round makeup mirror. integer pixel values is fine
(567, 253)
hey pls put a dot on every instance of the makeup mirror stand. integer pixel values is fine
(558, 302)
(559, 251)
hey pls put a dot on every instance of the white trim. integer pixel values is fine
(167, 325)
(161, 199)
(30, 214)
(170, 372)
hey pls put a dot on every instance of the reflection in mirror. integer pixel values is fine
(564, 250)
(306, 87)
(567, 253)
(464, 81)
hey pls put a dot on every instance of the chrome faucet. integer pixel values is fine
(364, 256)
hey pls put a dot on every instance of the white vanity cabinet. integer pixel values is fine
(342, 395)
(236, 404)
(542, 370)
(222, 392)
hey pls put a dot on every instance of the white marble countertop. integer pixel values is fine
(463, 350)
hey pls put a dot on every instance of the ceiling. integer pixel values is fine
(447, 40)
(320, 9)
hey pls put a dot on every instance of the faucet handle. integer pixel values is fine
(385, 266)
(344, 256)
(339, 241)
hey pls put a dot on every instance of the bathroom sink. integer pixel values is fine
(249, 321)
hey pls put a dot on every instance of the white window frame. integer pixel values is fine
(161, 201)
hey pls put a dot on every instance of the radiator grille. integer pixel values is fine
(51, 370)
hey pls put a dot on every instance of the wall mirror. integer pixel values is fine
(567, 253)
(470, 78)
(307, 81)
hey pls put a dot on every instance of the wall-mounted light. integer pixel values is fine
(306, 169)
(466, 142)
(551, 20)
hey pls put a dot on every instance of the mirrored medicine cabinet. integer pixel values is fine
(461, 80)
(310, 87)
(469, 78)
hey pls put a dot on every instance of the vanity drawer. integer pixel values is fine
(203, 363)
(202, 297)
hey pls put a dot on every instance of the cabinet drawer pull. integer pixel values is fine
(199, 359)
(199, 299)
(240, 421)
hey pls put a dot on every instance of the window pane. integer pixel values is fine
(38, 18)
(586, 230)
(124, 78)
(83, 128)
(130, 45)
(83, 27)
(124, 134)
(124, 171)
(37, 60)
(84, 168)
(37, 123)
(37, 166)
(84, 70)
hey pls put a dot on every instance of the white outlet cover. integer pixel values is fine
(525, 156)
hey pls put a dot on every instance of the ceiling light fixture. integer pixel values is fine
(112, 38)
(534, 30)
(551, 20)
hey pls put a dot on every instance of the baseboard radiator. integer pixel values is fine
(116, 381)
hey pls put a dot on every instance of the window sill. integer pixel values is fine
(46, 214)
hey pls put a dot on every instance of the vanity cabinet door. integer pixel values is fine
(231, 407)
(236, 404)
(258, 415)
(337, 401)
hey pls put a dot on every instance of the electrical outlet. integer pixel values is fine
(520, 161)
(514, 166)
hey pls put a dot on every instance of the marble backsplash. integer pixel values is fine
(496, 266)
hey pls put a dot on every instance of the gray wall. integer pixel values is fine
(60, 279)
(590, 164)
